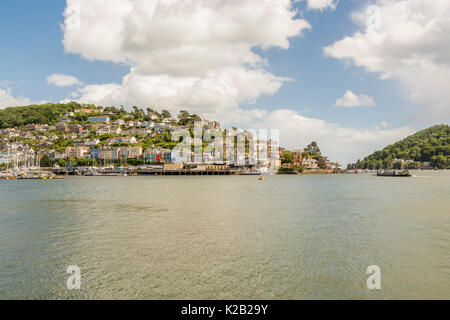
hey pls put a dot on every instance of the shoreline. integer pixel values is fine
(57, 174)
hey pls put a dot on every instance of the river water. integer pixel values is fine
(226, 237)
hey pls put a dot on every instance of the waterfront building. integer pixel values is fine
(211, 167)
(94, 153)
(297, 161)
(132, 152)
(173, 166)
(310, 163)
(4, 157)
(111, 154)
(77, 152)
(157, 155)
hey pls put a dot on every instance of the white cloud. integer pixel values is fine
(322, 4)
(7, 99)
(63, 80)
(195, 53)
(219, 90)
(351, 100)
(411, 46)
(179, 37)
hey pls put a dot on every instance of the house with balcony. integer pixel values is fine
(310, 163)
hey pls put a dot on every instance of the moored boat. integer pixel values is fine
(250, 173)
(393, 173)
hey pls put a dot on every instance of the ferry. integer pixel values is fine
(393, 173)
(250, 173)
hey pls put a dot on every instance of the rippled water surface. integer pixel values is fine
(290, 237)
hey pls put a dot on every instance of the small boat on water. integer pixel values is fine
(250, 173)
(91, 172)
(262, 179)
(393, 173)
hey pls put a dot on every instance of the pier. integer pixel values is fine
(139, 171)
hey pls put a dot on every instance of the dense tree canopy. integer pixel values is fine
(166, 114)
(429, 145)
(48, 113)
(313, 150)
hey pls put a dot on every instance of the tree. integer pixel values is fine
(61, 162)
(183, 117)
(48, 113)
(83, 162)
(424, 146)
(398, 165)
(313, 150)
(287, 157)
(166, 114)
(387, 163)
(439, 161)
(378, 164)
(414, 165)
(46, 162)
(152, 111)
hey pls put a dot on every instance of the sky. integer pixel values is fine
(352, 75)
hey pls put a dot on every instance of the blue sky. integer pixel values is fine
(32, 49)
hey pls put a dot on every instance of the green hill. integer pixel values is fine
(48, 113)
(429, 145)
